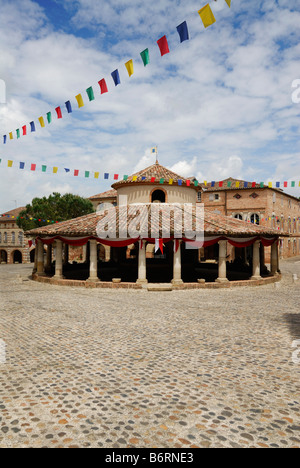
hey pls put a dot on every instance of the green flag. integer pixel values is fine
(196, 183)
(87, 174)
(145, 57)
(44, 168)
(49, 117)
(18, 133)
(90, 93)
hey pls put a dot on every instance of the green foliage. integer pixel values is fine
(56, 207)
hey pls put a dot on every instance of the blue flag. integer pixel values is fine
(69, 107)
(183, 32)
(116, 77)
(32, 126)
(22, 165)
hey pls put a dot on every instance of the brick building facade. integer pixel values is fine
(13, 244)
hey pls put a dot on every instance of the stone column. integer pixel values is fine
(66, 254)
(274, 259)
(58, 260)
(177, 279)
(48, 258)
(256, 261)
(93, 262)
(142, 268)
(40, 258)
(222, 278)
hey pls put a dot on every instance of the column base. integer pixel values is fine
(141, 281)
(93, 280)
(256, 278)
(222, 280)
(176, 281)
(58, 277)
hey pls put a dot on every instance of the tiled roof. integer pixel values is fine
(214, 224)
(156, 170)
(108, 194)
(11, 215)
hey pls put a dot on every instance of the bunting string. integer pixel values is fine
(88, 174)
(208, 19)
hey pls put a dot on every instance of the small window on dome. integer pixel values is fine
(158, 196)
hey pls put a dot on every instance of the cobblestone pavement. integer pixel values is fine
(118, 368)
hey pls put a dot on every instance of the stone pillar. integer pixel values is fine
(66, 254)
(48, 258)
(142, 267)
(40, 258)
(256, 261)
(222, 278)
(274, 259)
(177, 279)
(58, 260)
(93, 262)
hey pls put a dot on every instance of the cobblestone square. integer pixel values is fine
(132, 369)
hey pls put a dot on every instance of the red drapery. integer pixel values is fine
(124, 243)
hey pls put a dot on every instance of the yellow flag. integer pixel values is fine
(129, 66)
(171, 181)
(11, 136)
(79, 100)
(207, 16)
(228, 3)
(9, 163)
(237, 184)
(96, 175)
(55, 169)
(134, 178)
(205, 183)
(41, 120)
(270, 185)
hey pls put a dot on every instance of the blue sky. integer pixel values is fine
(218, 105)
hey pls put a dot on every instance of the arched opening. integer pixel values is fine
(32, 255)
(239, 216)
(158, 196)
(3, 256)
(17, 257)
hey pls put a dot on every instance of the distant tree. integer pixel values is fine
(57, 207)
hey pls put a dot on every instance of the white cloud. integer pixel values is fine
(216, 106)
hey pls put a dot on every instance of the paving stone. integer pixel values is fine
(128, 368)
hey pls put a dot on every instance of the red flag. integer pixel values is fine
(163, 45)
(58, 111)
(116, 176)
(152, 179)
(221, 184)
(253, 184)
(33, 167)
(285, 184)
(103, 86)
(24, 130)
(76, 172)
(161, 246)
(188, 183)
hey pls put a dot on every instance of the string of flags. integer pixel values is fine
(208, 19)
(33, 167)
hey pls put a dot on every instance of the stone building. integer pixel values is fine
(159, 209)
(13, 244)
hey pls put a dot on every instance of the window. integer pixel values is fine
(13, 237)
(199, 197)
(217, 196)
(254, 195)
(237, 196)
(21, 238)
(238, 216)
(254, 218)
(158, 196)
(5, 238)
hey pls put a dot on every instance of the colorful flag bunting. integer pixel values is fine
(49, 117)
(96, 175)
(183, 32)
(106, 176)
(207, 16)
(76, 173)
(55, 170)
(4, 139)
(58, 111)
(41, 120)
(129, 67)
(90, 93)
(32, 125)
(22, 165)
(69, 107)
(18, 133)
(79, 100)
(87, 174)
(44, 168)
(33, 167)
(145, 57)
(116, 77)
(103, 86)
(163, 46)
(11, 136)
(228, 3)
(9, 163)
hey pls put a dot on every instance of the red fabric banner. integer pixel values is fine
(103, 86)
(24, 130)
(163, 45)
(59, 114)
(33, 167)
(76, 172)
